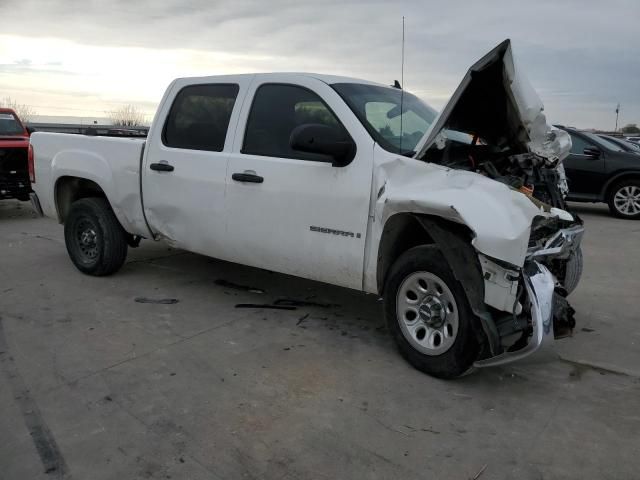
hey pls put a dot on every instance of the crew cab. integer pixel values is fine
(456, 219)
(14, 149)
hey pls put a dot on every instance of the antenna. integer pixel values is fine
(402, 86)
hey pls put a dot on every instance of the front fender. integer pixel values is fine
(499, 217)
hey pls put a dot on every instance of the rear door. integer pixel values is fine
(585, 173)
(185, 166)
(305, 217)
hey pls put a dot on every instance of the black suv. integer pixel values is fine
(601, 171)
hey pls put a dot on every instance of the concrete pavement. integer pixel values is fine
(95, 385)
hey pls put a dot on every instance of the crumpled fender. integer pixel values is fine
(499, 217)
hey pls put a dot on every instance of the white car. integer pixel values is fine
(456, 219)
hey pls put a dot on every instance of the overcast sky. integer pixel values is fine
(85, 57)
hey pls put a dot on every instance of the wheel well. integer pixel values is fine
(70, 189)
(401, 232)
(404, 231)
(615, 180)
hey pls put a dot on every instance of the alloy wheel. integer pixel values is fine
(427, 313)
(627, 200)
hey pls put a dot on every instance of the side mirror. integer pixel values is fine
(30, 129)
(592, 151)
(324, 140)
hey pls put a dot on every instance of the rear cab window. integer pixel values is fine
(199, 117)
(9, 124)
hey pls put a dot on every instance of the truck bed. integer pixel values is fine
(112, 163)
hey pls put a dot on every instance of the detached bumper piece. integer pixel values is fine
(548, 310)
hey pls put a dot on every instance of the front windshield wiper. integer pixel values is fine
(408, 153)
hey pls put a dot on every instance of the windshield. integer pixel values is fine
(378, 108)
(9, 125)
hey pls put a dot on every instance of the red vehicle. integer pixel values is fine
(14, 153)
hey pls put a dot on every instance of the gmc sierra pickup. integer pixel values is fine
(456, 219)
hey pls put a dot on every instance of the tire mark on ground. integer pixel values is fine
(50, 456)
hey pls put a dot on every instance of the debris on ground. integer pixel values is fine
(245, 288)
(303, 303)
(163, 301)
(302, 319)
(266, 305)
(477, 475)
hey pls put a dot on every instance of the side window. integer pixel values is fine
(578, 145)
(276, 111)
(199, 117)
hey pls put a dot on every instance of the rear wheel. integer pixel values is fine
(428, 314)
(624, 199)
(95, 240)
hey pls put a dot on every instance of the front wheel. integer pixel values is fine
(95, 240)
(573, 270)
(624, 199)
(428, 314)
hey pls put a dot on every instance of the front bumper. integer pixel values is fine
(539, 285)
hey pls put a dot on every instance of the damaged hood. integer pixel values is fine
(496, 102)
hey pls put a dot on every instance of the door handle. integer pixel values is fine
(248, 176)
(162, 166)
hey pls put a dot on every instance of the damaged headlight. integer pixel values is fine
(554, 237)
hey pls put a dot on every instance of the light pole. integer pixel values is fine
(617, 112)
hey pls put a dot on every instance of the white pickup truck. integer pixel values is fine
(457, 219)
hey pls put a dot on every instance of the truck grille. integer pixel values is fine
(14, 173)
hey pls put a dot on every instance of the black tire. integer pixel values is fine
(459, 357)
(573, 270)
(618, 211)
(95, 240)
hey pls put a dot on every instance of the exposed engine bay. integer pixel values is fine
(531, 174)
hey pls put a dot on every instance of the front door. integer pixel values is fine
(585, 172)
(184, 170)
(290, 211)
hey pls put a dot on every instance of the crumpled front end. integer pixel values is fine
(490, 162)
(517, 243)
(529, 306)
(539, 317)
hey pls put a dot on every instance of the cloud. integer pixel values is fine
(585, 46)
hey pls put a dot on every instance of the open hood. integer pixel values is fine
(496, 102)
